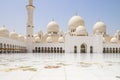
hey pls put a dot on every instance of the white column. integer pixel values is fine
(30, 26)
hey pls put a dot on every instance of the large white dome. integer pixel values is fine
(13, 35)
(81, 31)
(52, 27)
(74, 22)
(4, 32)
(99, 26)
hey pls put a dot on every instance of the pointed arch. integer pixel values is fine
(119, 50)
(111, 50)
(116, 50)
(104, 50)
(0, 47)
(83, 48)
(75, 49)
(91, 49)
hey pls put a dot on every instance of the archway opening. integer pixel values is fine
(104, 50)
(38, 50)
(110, 50)
(61, 50)
(91, 49)
(0, 47)
(116, 50)
(119, 50)
(113, 50)
(83, 48)
(75, 49)
(57, 50)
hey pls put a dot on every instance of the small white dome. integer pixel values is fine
(35, 35)
(81, 31)
(75, 21)
(4, 32)
(114, 40)
(52, 27)
(99, 26)
(37, 40)
(21, 38)
(13, 35)
(118, 31)
(115, 34)
(61, 40)
(49, 40)
(104, 39)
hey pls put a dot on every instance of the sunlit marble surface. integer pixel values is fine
(59, 66)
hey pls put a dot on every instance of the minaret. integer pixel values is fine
(30, 26)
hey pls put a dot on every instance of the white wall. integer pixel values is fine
(12, 41)
(95, 41)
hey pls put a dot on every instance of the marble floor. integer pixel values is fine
(59, 66)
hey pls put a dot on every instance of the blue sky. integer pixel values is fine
(13, 13)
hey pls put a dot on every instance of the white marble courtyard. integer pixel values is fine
(59, 67)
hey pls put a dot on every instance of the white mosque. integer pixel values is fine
(75, 40)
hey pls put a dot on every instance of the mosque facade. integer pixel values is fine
(75, 40)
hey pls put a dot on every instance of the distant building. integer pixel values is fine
(75, 40)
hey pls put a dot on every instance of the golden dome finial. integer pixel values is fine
(52, 19)
(13, 30)
(76, 13)
(30, 2)
(99, 19)
(3, 25)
